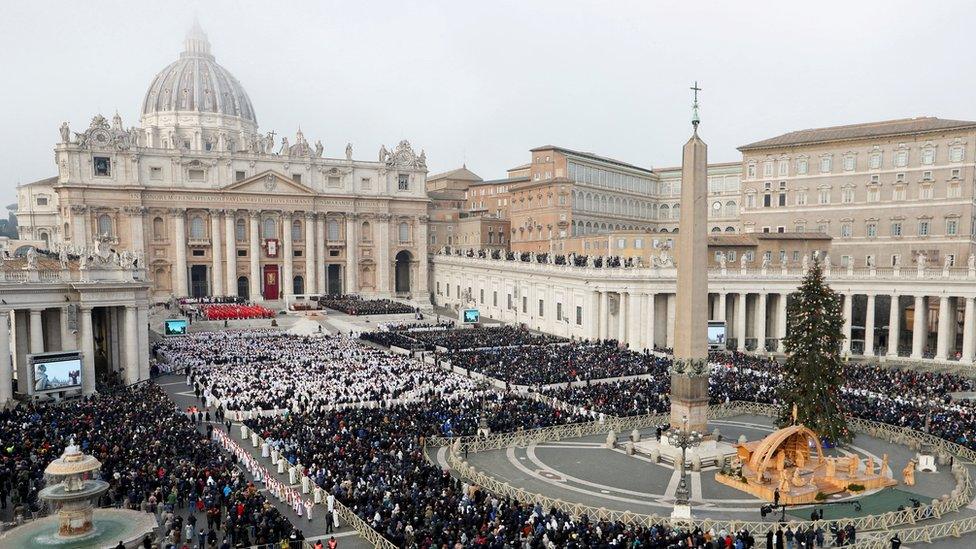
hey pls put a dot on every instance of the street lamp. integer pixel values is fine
(684, 439)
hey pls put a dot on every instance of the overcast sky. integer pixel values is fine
(482, 82)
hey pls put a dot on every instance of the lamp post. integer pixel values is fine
(684, 439)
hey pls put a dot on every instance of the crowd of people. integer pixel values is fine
(355, 305)
(545, 365)
(483, 337)
(262, 370)
(154, 458)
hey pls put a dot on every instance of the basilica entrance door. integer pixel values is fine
(272, 282)
(335, 279)
(198, 281)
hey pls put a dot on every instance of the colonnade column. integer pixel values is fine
(670, 321)
(6, 364)
(740, 324)
(869, 327)
(254, 254)
(942, 336)
(846, 345)
(320, 253)
(69, 341)
(179, 220)
(637, 307)
(352, 255)
(381, 244)
(720, 308)
(894, 326)
(217, 276)
(288, 257)
(142, 320)
(593, 316)
(230, 251)
(781, 321)
(423, 266)
(311, 257)
(36, 331)
(622, 319)
(761, 322)
(967, 332)
(87, 338)
(603, 317)
(919, 327)
(649, 321)
(131, 345)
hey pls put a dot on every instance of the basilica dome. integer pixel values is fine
(194, 88)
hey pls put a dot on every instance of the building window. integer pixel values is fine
(874, 194)
(801, 166)
(240, 230)
(403, 182)
(847, 196)
(956, 154)
(333, 181)
(750, 256)
(953, 190)
(925, 191)
(799, 227)
(767, 200)
(849, 163)
(102, 166)
(332, 230)
(621, 243)
(923, 228)
(156, 173)
(901, 159)
(825, 164)
(824, 196)
(874, 161)
(767, 169)
(404, 232)
(900, 177)
(159, 232)
(270, 228)
(896, 228)
(955, 173)
(105, 225)
(899, 193)
(895, 260)
(872, 230)
(845, 230)
(845, 261)
(801, 198)
(927, 175)
(782, 199)
(296, 230)
(41, 201)
(239, 175)
(784, 168)
(196, 175)
(751, 171)
(525, 304)
(951, 259)
(296, 177)
(579, 315)
(952, 227)
(198, 230)
(928, 156)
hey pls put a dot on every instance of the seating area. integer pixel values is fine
(355, 305)
(236, 312)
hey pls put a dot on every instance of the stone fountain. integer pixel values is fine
(71, 492)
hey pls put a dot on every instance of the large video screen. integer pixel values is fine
(716, 334)
(174, 326)
(52, 372)
(471, 316)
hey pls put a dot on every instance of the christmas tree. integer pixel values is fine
(813, 373)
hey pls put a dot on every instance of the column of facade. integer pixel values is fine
(740, 324)
(142, 318)
(848, 308)
(649, 321)
(622, 318)
(36, 331)
(672, 303)
(869, 327)
(422, 267)
(136, 229)
(603, 317)
(352, 255)
(79, 236)
(638, 306)
(217, 276)
(179, 223)
(781, 321)
(115, 345)
(919, 327)
(69, 340)
(87, 338)
(288, 274)
(131, 345)
(254, 254)
(761, 322)
(967, 332)
(311, 286)
(381, 244)
(6, 364)
(894, 326)
(942, 336)
(320, 268)
(720, 308)
(230, 252)
(590, 314)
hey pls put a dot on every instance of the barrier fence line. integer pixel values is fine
(359, 525)
(960, 496)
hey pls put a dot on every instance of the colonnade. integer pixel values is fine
(122, 340)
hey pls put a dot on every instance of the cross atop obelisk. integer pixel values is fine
(689, 375)
(694, 107)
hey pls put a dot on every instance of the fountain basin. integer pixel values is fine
(110, 527)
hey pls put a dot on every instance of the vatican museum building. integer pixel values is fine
(212, 206)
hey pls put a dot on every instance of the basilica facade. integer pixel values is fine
(213, 206)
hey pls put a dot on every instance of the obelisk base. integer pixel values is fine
(689, 400)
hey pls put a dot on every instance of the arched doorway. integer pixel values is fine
(298, 285)
(402, 271)
(242, 287)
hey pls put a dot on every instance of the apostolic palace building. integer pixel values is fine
(213, 206)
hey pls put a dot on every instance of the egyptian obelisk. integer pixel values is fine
(689, 376)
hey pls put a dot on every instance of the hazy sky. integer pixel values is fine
(483, 82)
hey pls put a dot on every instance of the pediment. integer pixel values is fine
(269, 181)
